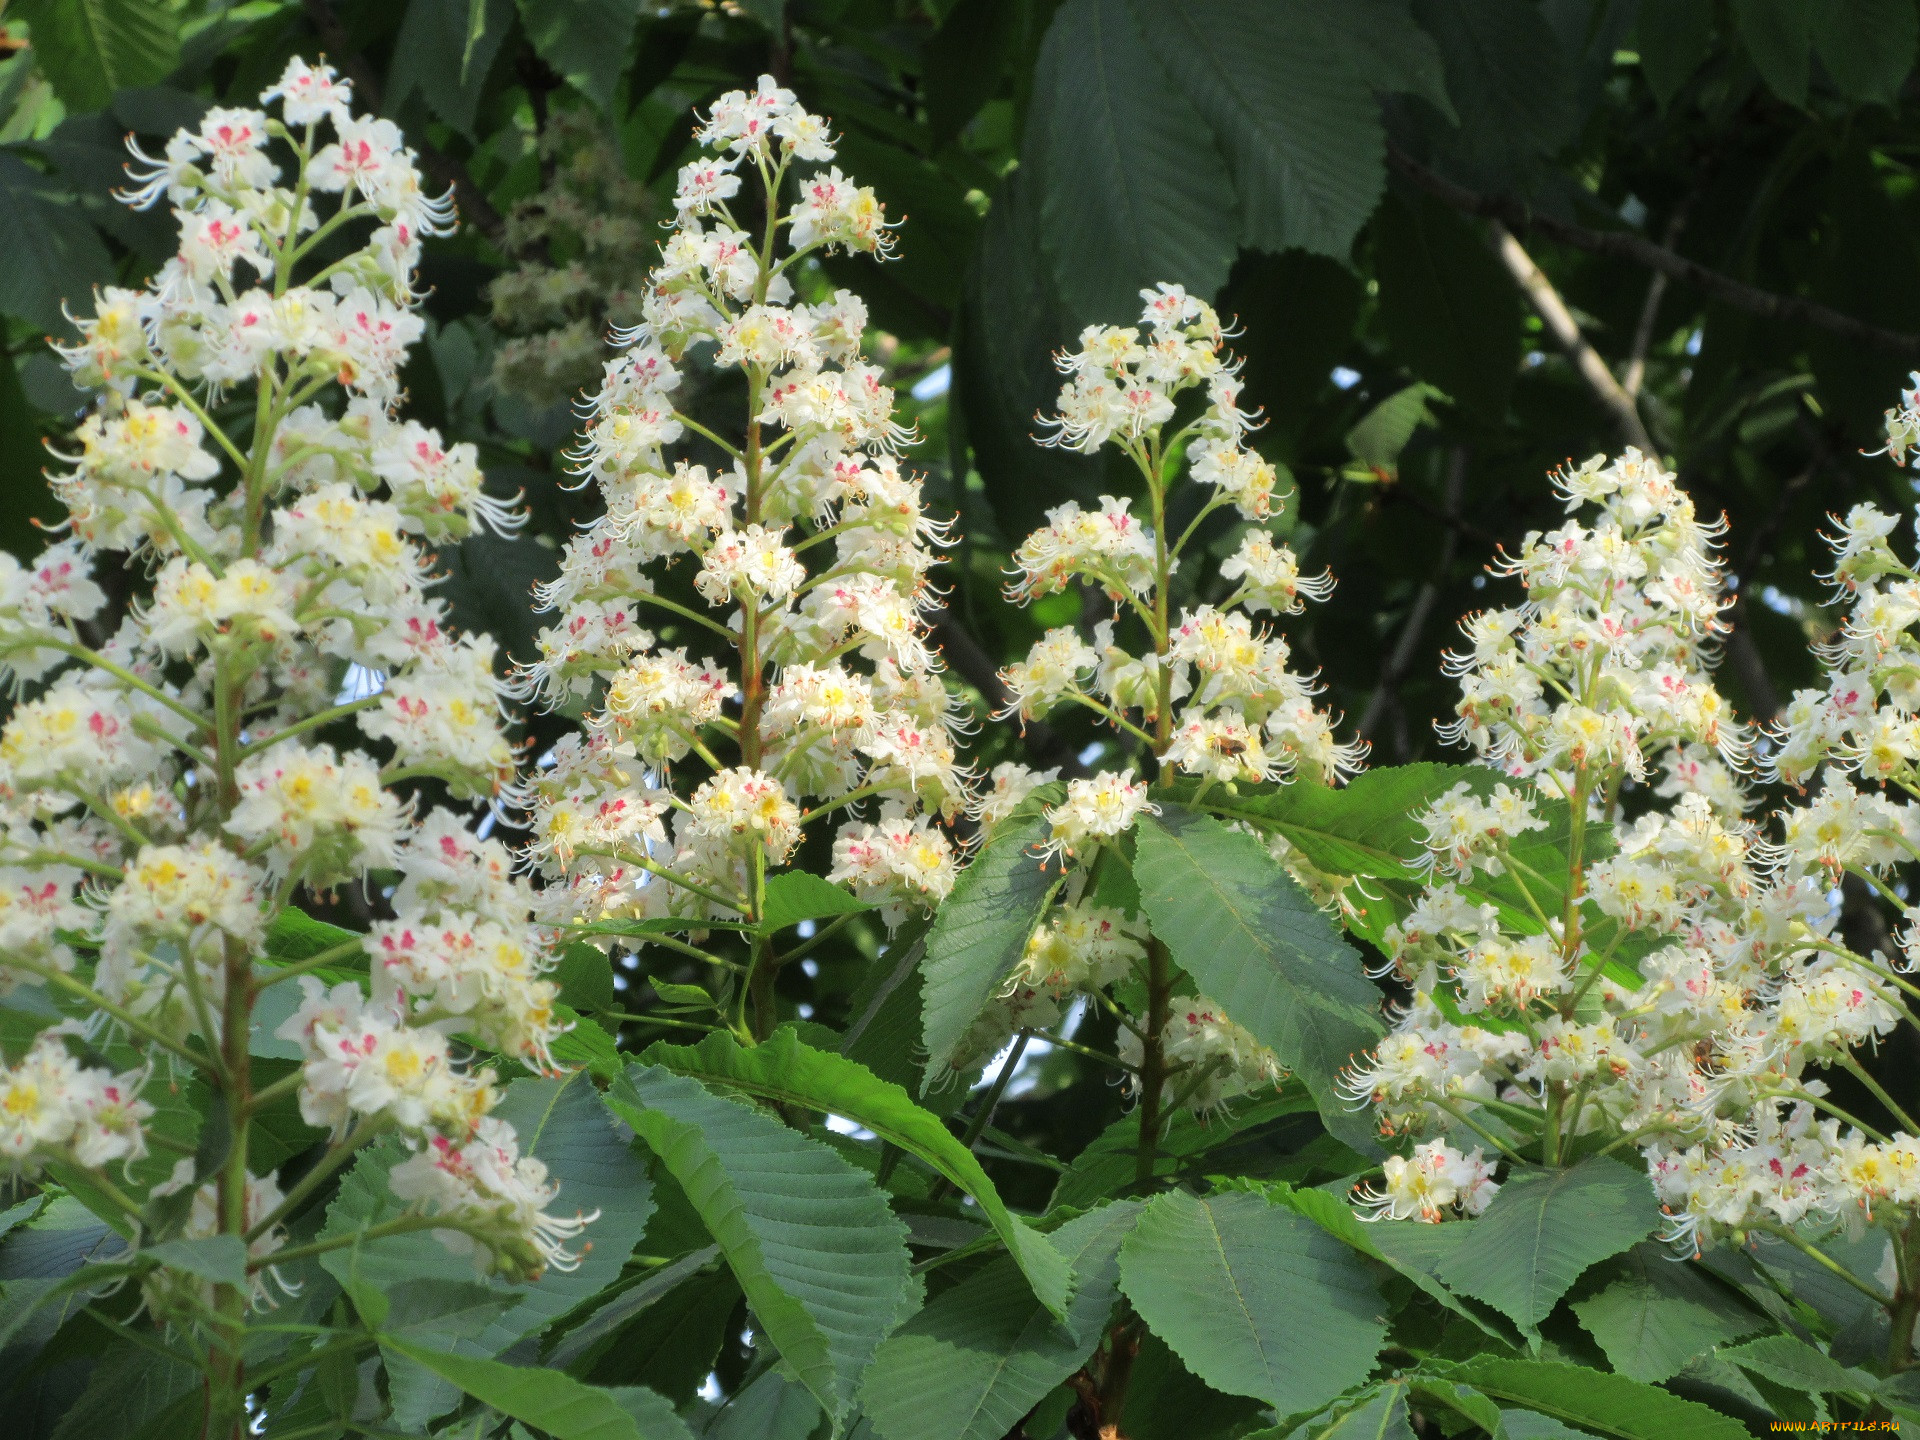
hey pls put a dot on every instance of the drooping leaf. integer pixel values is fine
(1592, 1400)
(982, 929)
(1777, 39)
(1239, 925)
(773, 1407)
(1107, 1166)
(444, 50)
(784, 1070)
(562, 1123)
(1658, 1315)
(558, 1404)
(983, 1354)
(1136, 190)
(821, 1256)
(622, 1307)
(1544, 1229)
(90, 48)
(1384, 432)
(1448, 304)
(585, 40)
(1867, 46)
(1792, 1362)
(1382, 1416)
(1398, 1244)
(1674, 39)
(129, 1390)
(1511, 84)
(219, 1258)
(52, 251)
(1287, 88)
(585, 977)
(795, 895)
(1224, 1280)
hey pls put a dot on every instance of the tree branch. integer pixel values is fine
(1565, 329)
(1625, 245)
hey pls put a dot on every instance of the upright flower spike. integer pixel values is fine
(1524, 1029)
(789, 559)
(166, 793)
(1204, 692)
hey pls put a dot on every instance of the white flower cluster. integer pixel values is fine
(1242, 715)
(1678, 985)
(164, 800)
(809, 548)
(1206, 692)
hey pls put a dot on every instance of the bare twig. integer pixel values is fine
(441, 167)
(1566, 330)
(1400, 661)
(1625, 245)
(1635, 375)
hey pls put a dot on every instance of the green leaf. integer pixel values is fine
(130, 1388)
(623, 1306)
(558, 1404)
(1607, 1405)
(585, 40)
(1795, 1364)
(443, 51)
(1385, 1240)
(1107, 1166)
(1287, 89)
(562, 1123)
(812, 1241)
(1776, 36)
(1238, 924)
(1370, 826)
(785, 1071)
(1674, 37)
(90, 48)
(1136, 190)
(982, 1354)
(1866, 45)
(1385, 430)
(1530, 1425)
(295, 936)
(795, 895)
(773, 1407)
(1448, 304)
(982, 929)
(1511, 84)
(1660, 1314)
(585, 977)
(52, 251)
(1383, 1416)
(1255, 1299)
(219, 1258)
(1544, 1229)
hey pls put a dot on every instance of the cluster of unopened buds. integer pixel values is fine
(164, 795)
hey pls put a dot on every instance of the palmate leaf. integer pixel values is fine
(556, 1403)
(984, 1353)
(1658, 1315)
(788, 1072)
(982, 929)
(1544, 1229)
(1135, 188)
(90, 48)
(821, 1256)
(585, 40)
(1255, 1299)
(1252, 940)
(1592, 1400)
